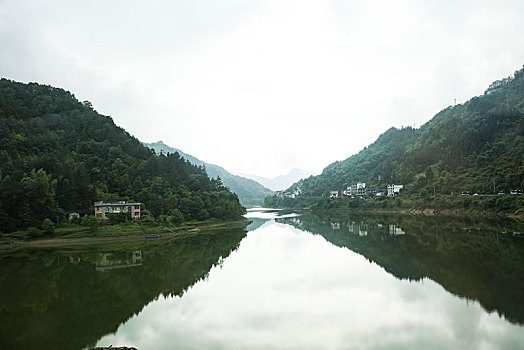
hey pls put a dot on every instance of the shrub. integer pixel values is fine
(176, 217)
(34, 232)
(91, 222)
(47, 226)
(117, 218)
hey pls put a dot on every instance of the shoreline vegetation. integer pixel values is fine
(423, 212)
(506, 205)
(76, 235)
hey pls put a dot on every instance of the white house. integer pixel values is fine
(393, 190)
(102, 209)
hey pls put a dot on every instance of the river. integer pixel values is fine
(291, 280)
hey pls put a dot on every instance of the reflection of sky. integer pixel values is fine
(262, 213)
(285, 288)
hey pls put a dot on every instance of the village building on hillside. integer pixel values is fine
(295, 192)
(333, 194)
(393, 190)
(360, 189)
(497, 84)
(73, 216)
(102, 209)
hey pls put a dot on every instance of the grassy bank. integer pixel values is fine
(72, 234)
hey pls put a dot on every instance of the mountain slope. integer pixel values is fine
(58, 155)
(249, 192)
(477, 147)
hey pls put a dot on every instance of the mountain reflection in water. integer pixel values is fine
(66, 299)
(475, 258)
(294, 281)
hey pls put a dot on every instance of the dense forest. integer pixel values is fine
(475, 147)
(58, 155)
(249, 192)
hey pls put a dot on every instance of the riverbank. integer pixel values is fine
(423, 212)
(100, 236)
(505, 205)
(419, 212)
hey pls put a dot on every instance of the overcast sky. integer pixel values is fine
(263, 86)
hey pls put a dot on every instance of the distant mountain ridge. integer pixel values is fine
(249, 192)
(281, 182)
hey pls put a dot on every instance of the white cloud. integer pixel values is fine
(261, 87)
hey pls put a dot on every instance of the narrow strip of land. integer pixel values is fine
(84, 241)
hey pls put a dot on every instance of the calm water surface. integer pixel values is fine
(293, 281)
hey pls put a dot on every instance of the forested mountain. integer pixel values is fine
(58, 155)
(249, 192)
(477, 146)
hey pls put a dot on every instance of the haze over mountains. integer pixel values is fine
(249, 192)
(281, 182)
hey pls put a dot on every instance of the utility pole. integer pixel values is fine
(494, 186)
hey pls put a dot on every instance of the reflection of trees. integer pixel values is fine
(58, 300)
(472, 258)
(256, 223)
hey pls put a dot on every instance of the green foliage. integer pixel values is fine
(117, 218)
(76, 220)
(59, 155)
(249, 192)
(48, 226)
(176, 217)
(34, 232)
(439, 203)
(91, 222)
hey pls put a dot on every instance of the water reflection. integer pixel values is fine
(289, 287)
(479, 259)
(261, 216)
(294, 281)
(115, 260)
(63, 299)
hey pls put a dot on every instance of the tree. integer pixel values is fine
(91, 222)
(47, 226)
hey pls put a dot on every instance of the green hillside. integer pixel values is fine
(476, 147)
(249, 192)
(58, 155)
